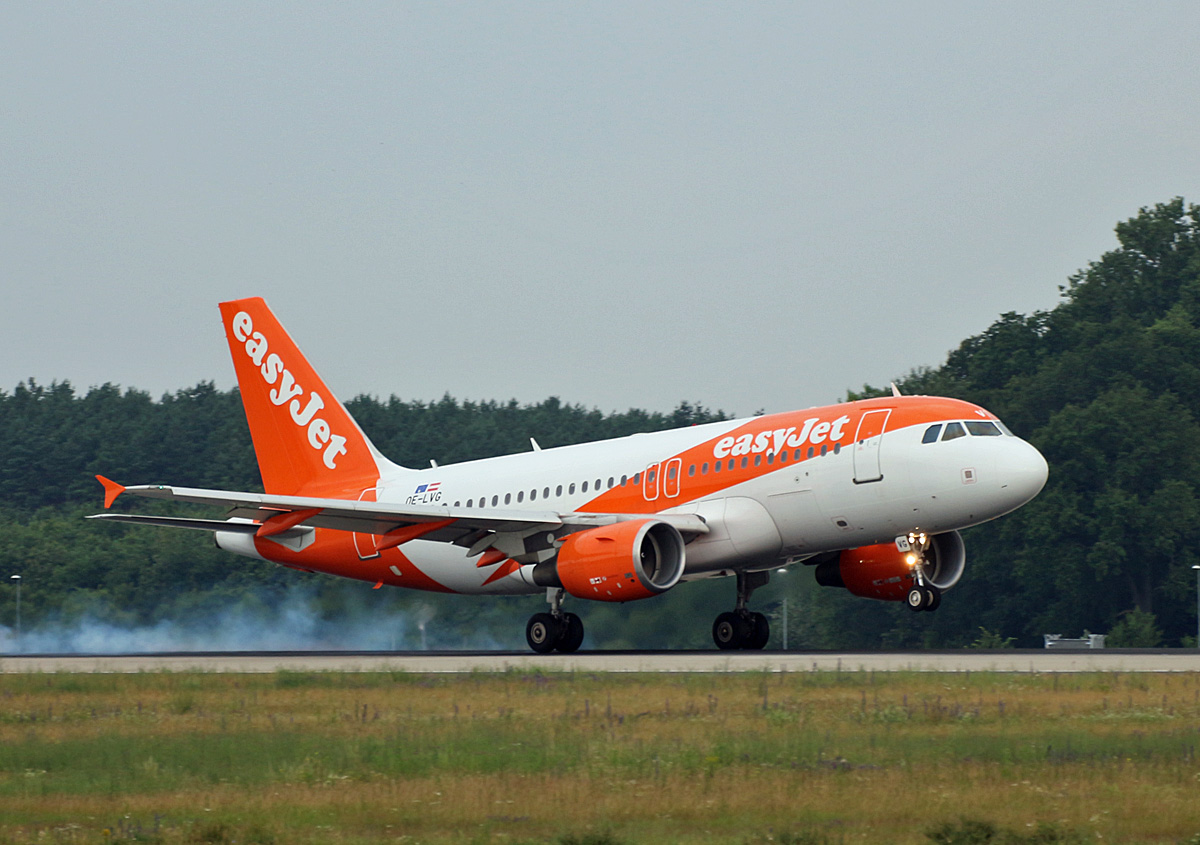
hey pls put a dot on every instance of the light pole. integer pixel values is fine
(17, 578)
(1197, 568)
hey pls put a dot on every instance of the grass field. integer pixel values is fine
(573, 758)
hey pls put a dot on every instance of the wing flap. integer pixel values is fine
(198, 524)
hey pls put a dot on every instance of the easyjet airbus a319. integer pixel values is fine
(871, 494)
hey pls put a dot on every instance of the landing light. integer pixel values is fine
(911, 560)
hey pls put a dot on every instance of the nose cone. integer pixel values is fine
(1023, 473)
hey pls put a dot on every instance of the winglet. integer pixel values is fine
(111, 490)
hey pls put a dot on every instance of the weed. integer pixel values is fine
(605, 838)
(975, 832)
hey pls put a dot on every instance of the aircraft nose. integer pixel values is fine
(1024, 471)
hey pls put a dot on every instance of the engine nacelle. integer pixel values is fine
(619, 562)
(884, 572)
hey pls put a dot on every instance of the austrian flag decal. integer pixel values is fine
(426, 494)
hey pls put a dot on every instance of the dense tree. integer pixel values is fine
(1107, 385)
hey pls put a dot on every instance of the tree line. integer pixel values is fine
(1106, 385)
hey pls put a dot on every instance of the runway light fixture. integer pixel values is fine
(17, 579)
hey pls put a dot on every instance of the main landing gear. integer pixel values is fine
(547, 632)
(742, 628)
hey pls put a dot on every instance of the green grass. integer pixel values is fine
(543, 757)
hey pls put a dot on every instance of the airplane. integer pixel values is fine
(871, 494)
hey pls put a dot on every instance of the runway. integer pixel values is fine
(424, 662)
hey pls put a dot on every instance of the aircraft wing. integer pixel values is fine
(280, 517)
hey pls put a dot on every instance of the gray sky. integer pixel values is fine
(753, 205)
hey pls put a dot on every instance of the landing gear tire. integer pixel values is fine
(571, 637)
(731, 631)
(543, 632)
(916, 599)
(933, 598)
(760, 632)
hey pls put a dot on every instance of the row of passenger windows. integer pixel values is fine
(955, 430)
(636, 480)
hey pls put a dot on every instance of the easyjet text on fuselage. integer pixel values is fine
(813, 431)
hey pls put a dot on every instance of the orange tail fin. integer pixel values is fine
(305, 440)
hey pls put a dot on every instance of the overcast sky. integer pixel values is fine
(750, 205)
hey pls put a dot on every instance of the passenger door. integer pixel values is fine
(867, 441)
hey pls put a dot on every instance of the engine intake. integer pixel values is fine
(620, 562)
(884, 572)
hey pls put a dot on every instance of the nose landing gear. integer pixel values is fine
(742, 628)
(923, 595)
(927, 597)
(556, 630)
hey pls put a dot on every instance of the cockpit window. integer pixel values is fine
(982, 428)
(931, 433)
(953, 432)
(1004, 428)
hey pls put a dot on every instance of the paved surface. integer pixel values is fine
(1108, 660)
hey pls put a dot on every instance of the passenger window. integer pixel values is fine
(732, 461)
(597, 487)
(583, 489)
(797, 455)
(931, 433)
(637, 479)
(572, 490)
(953, 432)
(470, 503)
(520, 496)
(691, 470)
(495, 501)
(745, 462)
(982, 428)
(717, 466)
(810, 451)
(770, 458)
(624, 480)
(533, 495)
(823, 448)
(783, 457)
(758, 460)
(837, 448)
(507, 498)
(456, 504)
(558, 490)
(672, 471)
(704, 468)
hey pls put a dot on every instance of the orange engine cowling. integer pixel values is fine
(619, 562)
(884, 572)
